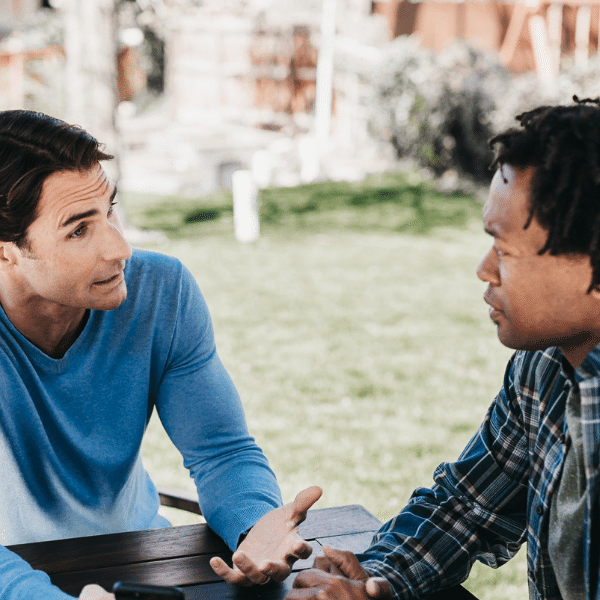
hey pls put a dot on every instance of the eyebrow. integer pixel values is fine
(86, 214)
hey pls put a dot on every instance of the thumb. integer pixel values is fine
(379, 588)
(303, 501)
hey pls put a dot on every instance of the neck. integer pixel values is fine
(51, 329)
(576, 353)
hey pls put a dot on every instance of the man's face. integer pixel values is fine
(76, 251)
(537, 301)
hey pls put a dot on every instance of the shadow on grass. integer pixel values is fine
(386, 201)
(405, 208)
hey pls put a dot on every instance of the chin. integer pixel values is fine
(109, 303)
(519, 342)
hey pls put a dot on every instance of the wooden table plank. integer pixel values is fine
(325, 522)
(180, 556)
(173, 571)
(222, 591)
(185, 571)
(60, 556)
(357, 542)
(177, 555)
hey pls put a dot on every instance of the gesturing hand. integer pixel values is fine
(272, 546)
(338, 576)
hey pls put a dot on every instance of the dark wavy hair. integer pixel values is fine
(562, 143)
(33, 146)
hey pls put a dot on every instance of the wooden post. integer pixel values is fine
(598, 44)
(513, 33)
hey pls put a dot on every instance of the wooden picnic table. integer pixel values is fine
(180, 556)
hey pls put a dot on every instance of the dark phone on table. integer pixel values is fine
(138, 591)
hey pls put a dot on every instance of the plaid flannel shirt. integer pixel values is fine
(497, 495)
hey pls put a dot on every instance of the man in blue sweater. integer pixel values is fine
(531, 473)
(93, 337)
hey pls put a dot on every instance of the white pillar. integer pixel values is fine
(582, 35)
(541, 50)
(554, 17)
(245, 206)
(262, 169)
(324, 86)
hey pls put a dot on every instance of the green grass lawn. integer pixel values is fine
(356, 333)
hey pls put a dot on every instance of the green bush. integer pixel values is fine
(436, 108)
(440, 109)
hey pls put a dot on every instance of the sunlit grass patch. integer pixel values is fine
(363, 352)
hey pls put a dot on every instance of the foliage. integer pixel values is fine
(435, 108)
(440, 109)
(526, 91)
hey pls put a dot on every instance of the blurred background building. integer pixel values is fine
(187, 91)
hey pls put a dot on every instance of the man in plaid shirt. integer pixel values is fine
(531, 472)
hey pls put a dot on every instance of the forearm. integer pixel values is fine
(435, 540)
(18, 581)
(235, 491)
(416, 553)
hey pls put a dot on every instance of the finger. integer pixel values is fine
(276, 570)
(95, 592)
(306, 594)
(311, 578)
(232, 576)
(379, 588)
(250, 569)
(302, 549)
(303, 501)
(346, 562)
(323, 564)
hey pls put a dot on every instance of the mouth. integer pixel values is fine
(110, 280)
(495, 312)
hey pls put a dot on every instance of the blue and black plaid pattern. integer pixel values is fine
(497, 494)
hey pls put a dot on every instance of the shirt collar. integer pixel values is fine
(590, 367)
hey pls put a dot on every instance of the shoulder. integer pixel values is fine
(147, 262)
(160, 280)
(147, 271)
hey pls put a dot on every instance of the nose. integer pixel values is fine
(488, 270)
(115, 246)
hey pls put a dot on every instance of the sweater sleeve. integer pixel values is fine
(18, 581)
(201, 411)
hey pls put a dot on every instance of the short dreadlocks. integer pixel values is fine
(562, 143)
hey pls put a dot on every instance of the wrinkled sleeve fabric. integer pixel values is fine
(201, 411)
(475, 511)
(18, 581)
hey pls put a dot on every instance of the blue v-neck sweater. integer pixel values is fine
(71, 428)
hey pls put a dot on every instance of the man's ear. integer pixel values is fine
(8, 254)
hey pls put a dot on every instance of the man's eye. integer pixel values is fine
(111, 209)
(78, 232)
(499, 252)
